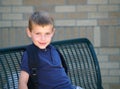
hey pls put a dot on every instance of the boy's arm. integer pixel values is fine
(23, 80)
(63, 61)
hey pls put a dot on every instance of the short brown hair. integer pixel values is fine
(41, 18)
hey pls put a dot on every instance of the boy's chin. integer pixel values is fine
(42, 47)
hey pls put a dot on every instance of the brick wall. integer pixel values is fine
(97, 20)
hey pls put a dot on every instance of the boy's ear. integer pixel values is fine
(28, 32)
(54, 30)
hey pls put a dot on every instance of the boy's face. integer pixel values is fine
(41, 35)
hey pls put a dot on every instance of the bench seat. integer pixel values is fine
(80, 57)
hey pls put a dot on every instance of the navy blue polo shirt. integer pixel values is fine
(51, 74)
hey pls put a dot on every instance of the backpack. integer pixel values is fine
(32, 51)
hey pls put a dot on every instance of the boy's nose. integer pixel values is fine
(43, 37)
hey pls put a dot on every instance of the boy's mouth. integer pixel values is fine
(42, 43)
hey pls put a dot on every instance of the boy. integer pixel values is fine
(51, 75)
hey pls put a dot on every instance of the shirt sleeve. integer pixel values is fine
(24, 63)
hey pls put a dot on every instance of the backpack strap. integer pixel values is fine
(33, 65)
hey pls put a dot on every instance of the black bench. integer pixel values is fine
(80, 57)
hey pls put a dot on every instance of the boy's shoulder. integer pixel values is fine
(52, 46)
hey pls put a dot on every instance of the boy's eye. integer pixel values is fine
(37, 33)
(47, 33)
